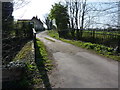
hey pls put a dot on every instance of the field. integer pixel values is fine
(109, 38)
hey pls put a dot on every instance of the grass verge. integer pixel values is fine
(36, 75)
(44, 65)
(42, 55)
(99, 49)
(49, 39)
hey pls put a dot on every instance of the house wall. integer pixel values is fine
(37, 24)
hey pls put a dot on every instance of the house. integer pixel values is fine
(38, 25)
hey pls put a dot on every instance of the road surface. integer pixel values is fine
(79, 68)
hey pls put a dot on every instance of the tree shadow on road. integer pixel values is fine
(41, 67)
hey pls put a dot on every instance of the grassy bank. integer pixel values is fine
(34, 74)
(25, 57)
(99, 49)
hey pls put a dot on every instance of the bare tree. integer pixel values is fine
(77, 10)
(107, 13)
(83, 11)
(48, 22)
(20, 3)
(119, 15)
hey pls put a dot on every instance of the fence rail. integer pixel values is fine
(110, 39)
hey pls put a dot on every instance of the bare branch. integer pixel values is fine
(20, 3)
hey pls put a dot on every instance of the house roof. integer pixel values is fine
(24, 20)
(35, 18)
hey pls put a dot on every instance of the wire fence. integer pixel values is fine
(110, 38)
(107, 38)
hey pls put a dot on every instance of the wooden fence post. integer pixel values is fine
(118, 44)
(34, 40)
(93, 36)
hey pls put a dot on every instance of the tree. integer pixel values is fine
(48, 22)
(59, 13)
(7, 18)
(105, 13)
(119, 15)
(20, 3)
(77, 12)
(82, 18)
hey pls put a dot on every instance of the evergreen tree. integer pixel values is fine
(59, 13)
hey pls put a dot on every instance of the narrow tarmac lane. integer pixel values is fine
(78, 68)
